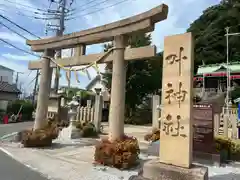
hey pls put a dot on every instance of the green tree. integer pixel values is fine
(209, 32)
(142, 78)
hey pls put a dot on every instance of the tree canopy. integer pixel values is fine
(209, 32)
(143, 77)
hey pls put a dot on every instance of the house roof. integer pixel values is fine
(234, 67)
(9, 88)
(94, 80)
(5, 68)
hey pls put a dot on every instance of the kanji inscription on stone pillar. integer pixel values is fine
(176, 120)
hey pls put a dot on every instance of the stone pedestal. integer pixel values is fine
(74, 133)
(71, 132)
(154, 170)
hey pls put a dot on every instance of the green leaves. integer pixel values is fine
(209, 32)
(143, 77)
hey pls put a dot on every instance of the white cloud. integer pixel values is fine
(7, 46)
(8, 36)
(19, 57)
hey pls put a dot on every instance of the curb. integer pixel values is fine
(12, 156)
(8, 135)
(6, 152)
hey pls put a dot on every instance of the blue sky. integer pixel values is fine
(181, 14)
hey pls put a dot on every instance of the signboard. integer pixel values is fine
(203, 129)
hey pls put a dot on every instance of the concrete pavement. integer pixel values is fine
(10, 169)
(68, 159)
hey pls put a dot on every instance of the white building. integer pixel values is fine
(6, 74)
(8, 90)
(97, 83)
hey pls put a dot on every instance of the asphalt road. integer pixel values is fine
(11, 169)
(14, 127)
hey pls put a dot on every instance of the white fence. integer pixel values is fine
(85, 114)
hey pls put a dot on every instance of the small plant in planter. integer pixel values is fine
(229, 149)
(122, 153)
(223, 147)
(37, 138)
(40, 137)
(59, 124)
(87, 129)
(235, 151)
(153, 136)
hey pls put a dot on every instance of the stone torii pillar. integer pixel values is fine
(43, 93)
(117, 105)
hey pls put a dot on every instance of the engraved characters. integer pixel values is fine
(171, 128)
(179, 95)
(171, 125)
(172, 58)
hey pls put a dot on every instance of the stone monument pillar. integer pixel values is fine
(176, 142)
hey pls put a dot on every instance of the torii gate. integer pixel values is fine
(118, 32)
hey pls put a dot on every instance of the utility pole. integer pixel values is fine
(20, 87)
(59, 32)
(17, 78)
(228, 80)
(70, 74)
(228, 69)
(35, 87)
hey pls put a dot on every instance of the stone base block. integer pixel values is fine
(207, 158)
(75, 134)
(154, 170)
(70, 133)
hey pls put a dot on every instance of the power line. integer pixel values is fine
(23, 5)
(13, 31)
(18, 13)
(86, 8)
(48, 12)
(9, 6)
(19, 26)
(98, 10)
(32, 11)
(94, 5)
(18, 48)
(86, 4)
(43, 17)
